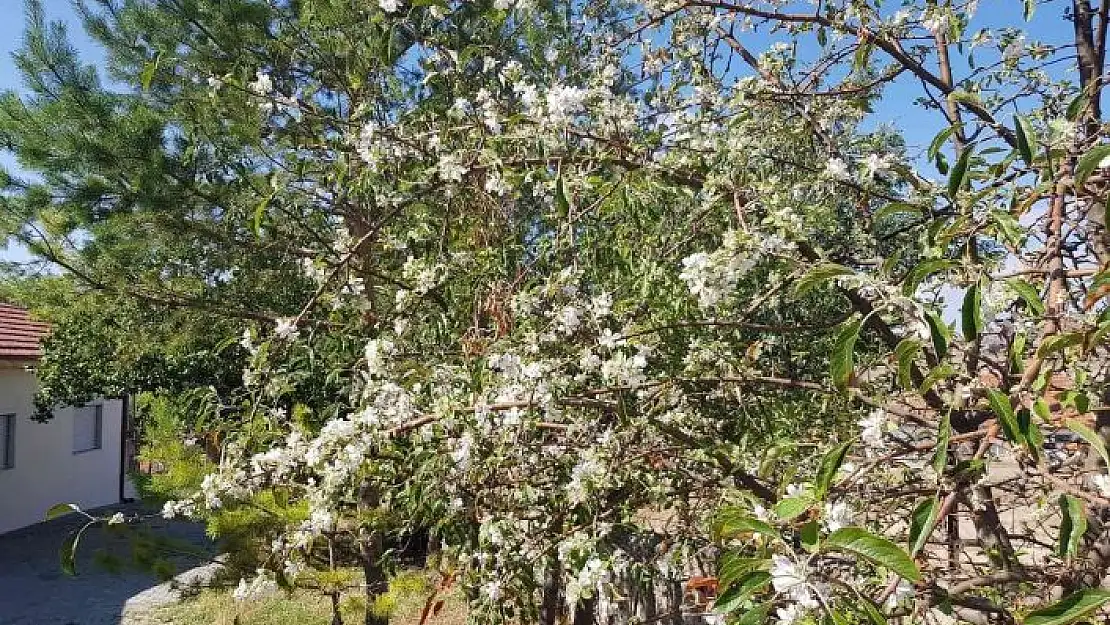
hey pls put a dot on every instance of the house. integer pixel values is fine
(76, 457)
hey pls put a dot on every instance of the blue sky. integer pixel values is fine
(918, 127)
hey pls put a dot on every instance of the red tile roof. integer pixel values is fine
(19, 335)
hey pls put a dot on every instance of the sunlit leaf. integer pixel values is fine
(957, 177)
(1070, 609)
(737, 593)
(1004, 410)
(830, 464)
(1089, 435)
(971, 313)
(841, 361)
(875, 549)
(1089, 162)
(922, 521)
(1073, 524)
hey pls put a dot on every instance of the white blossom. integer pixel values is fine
(1102, 483)
(935, 21)
(876, 164)
(285, 328)
(451, 167)
(492, 590)
(712, 277)
(786, 574)
(262, 84)
(837, 168)
(903, 591)
(789, 614)
(565, 102)
(260, 587)
(873, 427)
(837, 516)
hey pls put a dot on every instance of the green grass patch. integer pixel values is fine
(404, 603)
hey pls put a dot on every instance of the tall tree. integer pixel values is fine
(554, 281)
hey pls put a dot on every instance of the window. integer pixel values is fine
(88, 422)
(7, 441)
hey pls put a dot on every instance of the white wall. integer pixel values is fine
(46, 470)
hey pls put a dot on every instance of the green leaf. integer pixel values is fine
(1058, 343)
(755, 616)
(959, 95)
(1070, 609)
(61, 509)
(936, 375)
(793, 507)
(860, 58)
(922, 521)
(809, 536)
(820, 275)
(148, 71)
(1028, 294)
(1026, 139)
(1010, 228)
(944, 436)
(898, 208)
(1076, 106)
(1017, 351)
(734, 566)
(1089, 162)
(1030, 7)
(940, 333)
(1073, 525)
(875, 549)
(561, 199)
(958, 176)
(1031, 432)
(830, 464)
(260, 213)
(971, 314)
(1040, 408)
(914, 277)
(872, 612)
(941, 162)
(68, 554)
(734, 521)
(938, 141)
(905, 353)
(739, 592)
(1089, 435)
(841, 362)
(1000, 404)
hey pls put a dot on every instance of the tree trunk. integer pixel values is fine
(552, 593)
(584, 612)
(370, 550)
(992, 536)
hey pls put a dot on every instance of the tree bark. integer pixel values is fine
(370, 551)
(552, 593)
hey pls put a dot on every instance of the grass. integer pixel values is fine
(404, 602)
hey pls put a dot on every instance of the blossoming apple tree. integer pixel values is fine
(605, 295)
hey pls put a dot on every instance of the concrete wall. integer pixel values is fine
(46, 470)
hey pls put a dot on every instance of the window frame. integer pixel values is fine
(98, 424)
(7, 445)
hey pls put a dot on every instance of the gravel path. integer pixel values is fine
(34, 591)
